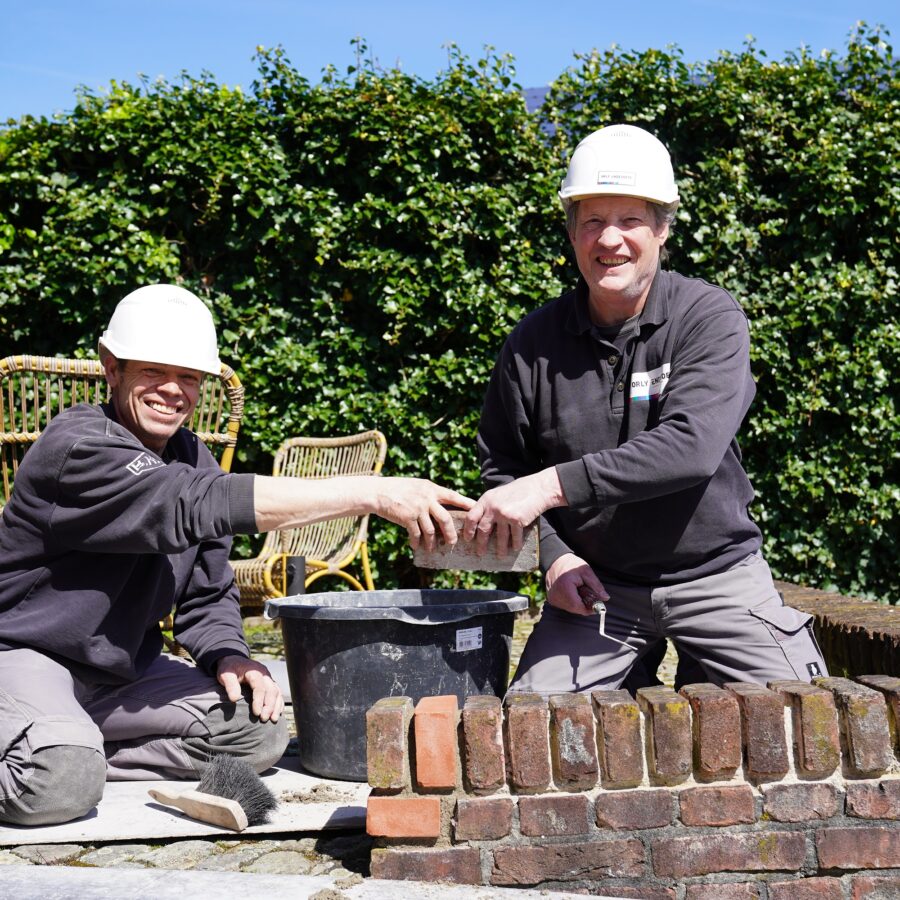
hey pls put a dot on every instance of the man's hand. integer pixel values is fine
(418, 504)
(569, 581)
(510, 508)
(233, 671)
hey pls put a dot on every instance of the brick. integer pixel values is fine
(387, 743)
(668, 734)
(799, 802)
(459, 865)
(807, 889)
(626, 810)
(874, 887)
(403, 817)
(863, 717)
(485, 767)
(817, 743)
(554, 814)
(484, 819)
(528, 743)
(573, 747)
(586, 860)
(743, 890)
(708, 853)
(716, 731)
(732, 805)
(620, 892)
(859, 848)
(890, 688)
(434, 727)
(879, 800)
(762, 731)
(619, 747)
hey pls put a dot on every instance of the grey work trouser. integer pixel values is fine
(734, 624)
(61, 739)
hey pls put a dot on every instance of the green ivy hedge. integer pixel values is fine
(367, 242)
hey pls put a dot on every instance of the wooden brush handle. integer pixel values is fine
(205, 807)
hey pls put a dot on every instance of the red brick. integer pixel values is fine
(817, 743)
(460, 865)
(554, 814)
(704, 854)
(762, 731)
(626, 810)
(485, 768)
(669, 734)
(874, 887)
(620, 751)
(858, 848)
(806, 889)
(484, 819)
(732, 805)
(890, 688)
(638, 893)
(404, 817)
(742, 890)
(434, 726)
(864, 725)
(716, 731)
(586, 860)
(573, 747)
(879, 800)
(528, 743)
(387, 743)
(799, 802)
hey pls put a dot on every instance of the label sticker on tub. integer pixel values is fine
(468, 639)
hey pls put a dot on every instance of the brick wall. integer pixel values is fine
(790, 791)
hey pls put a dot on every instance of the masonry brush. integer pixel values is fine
(230, 795)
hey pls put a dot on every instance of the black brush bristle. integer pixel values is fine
(234, 779)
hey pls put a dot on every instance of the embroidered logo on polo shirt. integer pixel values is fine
(143, 463)
(649, 385)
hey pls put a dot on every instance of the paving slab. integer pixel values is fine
(128, 813)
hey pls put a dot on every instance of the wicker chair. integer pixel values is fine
(328, 547)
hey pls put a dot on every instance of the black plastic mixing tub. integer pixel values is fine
(346, 650)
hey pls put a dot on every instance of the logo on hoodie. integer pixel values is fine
(143, 463)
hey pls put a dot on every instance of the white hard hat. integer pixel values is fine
(620, 160)
(166, 324)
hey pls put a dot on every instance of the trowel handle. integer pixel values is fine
(600, 608)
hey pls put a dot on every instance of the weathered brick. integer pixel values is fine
(762, 731)
(817, 743)
(806, 889)
(874, 887)
(858, 848)
(730, 805)
(635, 809)
(619, 745)
(716, 731)
(863, 717)
(403, 817)
(890, 688)
(799, 802)
(436, 745)
(554, 814)
(668, 733)
(459, 865)
(484, 819)
(878, 800)
(485, 768)
(742, 890)
(528, 743)
(573, 747)
(586, 860)
(711, 852)
(387, 743)
(649, 892)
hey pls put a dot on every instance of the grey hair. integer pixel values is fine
(663, 214)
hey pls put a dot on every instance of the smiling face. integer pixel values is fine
(617, 242)
(152, 400)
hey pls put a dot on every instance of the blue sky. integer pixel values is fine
(48, 47)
